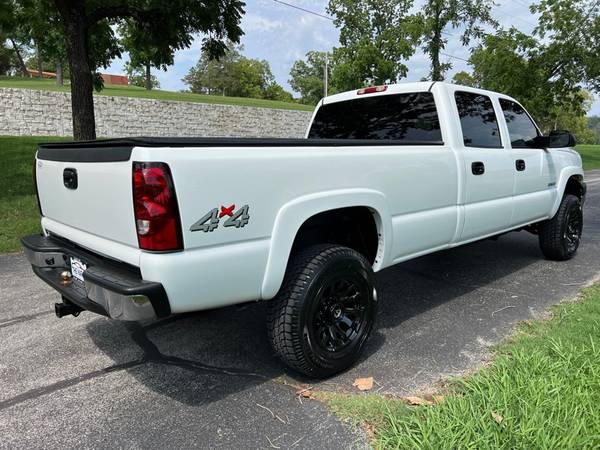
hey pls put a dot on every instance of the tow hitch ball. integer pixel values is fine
(66, 308)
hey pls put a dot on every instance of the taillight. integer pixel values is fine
(371, 90)
(155, 204)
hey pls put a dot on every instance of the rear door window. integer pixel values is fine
(521, 129)
(409, 118)
(478, 120)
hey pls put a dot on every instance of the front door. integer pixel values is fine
(534, 174)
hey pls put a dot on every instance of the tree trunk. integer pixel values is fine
(20, 58)
(59, 73)
(40, 67)
(82, 99)
(148, 77)
(436, 70)
(435, 46)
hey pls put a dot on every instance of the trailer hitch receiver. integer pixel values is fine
(66, 308)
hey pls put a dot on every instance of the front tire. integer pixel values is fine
(321, 318)
(560, 236)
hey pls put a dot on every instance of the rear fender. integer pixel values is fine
(293, 214)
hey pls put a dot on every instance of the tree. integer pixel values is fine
(210, 76)
(438, 14)
(8, 57)
(52, 45)
(594, 124)
(8, 61)
(499, 64)
(145, 51)
(235, 75)
(308, 77)
(9, 29)
(275, 92)
(251, 78)
(464, 79)
(375, 37)
(572, 30)
(138, 76)
(35, 24)
(88, 34)
(579, 127)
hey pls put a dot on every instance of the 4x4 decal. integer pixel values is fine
(211, 220)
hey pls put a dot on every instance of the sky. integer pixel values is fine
(281, 35)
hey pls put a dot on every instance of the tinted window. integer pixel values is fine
(478, 120)
(521, 129)
(403, 117)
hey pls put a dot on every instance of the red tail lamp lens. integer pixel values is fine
(155, 205)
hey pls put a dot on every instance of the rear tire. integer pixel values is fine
(560, 236)
(321, 318)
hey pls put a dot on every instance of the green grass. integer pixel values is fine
(133, 91)
(18, 208)
(544, 385)
(590, 155)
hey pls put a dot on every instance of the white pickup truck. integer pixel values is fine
(138, 229)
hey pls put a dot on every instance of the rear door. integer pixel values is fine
(534, 180)
(488, 167)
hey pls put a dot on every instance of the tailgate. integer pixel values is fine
(100, 200)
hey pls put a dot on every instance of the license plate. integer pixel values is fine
(78, 267)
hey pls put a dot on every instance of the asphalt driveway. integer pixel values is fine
(210, 380)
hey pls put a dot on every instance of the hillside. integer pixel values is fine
(133, 91)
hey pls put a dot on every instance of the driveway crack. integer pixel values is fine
(24, 318)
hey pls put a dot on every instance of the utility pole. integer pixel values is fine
(326, 83)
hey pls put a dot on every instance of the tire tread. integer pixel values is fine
(284, 310)
(551, 232)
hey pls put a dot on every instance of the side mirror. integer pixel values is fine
(560, 139)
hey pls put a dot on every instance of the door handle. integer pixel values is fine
(478, 168)
(520, 165)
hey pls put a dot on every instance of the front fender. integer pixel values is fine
(296, 212)
(561, 185)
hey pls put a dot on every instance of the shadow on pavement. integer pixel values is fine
(416, 286)
(225, 351)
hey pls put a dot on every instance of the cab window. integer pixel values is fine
(521, 129)
(405, 118)
(478, 120)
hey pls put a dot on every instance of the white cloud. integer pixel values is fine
(254, 23)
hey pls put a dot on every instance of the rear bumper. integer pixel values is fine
(110, 288)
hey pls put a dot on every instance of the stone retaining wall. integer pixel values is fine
(26, 112)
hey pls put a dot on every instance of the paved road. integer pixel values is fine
(210, 380)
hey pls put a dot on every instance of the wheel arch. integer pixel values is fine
(575, 186)
(294, 215)
(571, 181)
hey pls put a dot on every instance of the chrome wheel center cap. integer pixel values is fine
(337, 312)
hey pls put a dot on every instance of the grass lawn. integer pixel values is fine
(541, 391)
(134, 91)
(18, 210)
(590, 155)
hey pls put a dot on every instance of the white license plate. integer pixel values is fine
(77, 268)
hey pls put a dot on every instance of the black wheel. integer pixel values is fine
(321, 318)
(561, 235)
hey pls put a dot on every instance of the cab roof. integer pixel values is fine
(403, 88)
